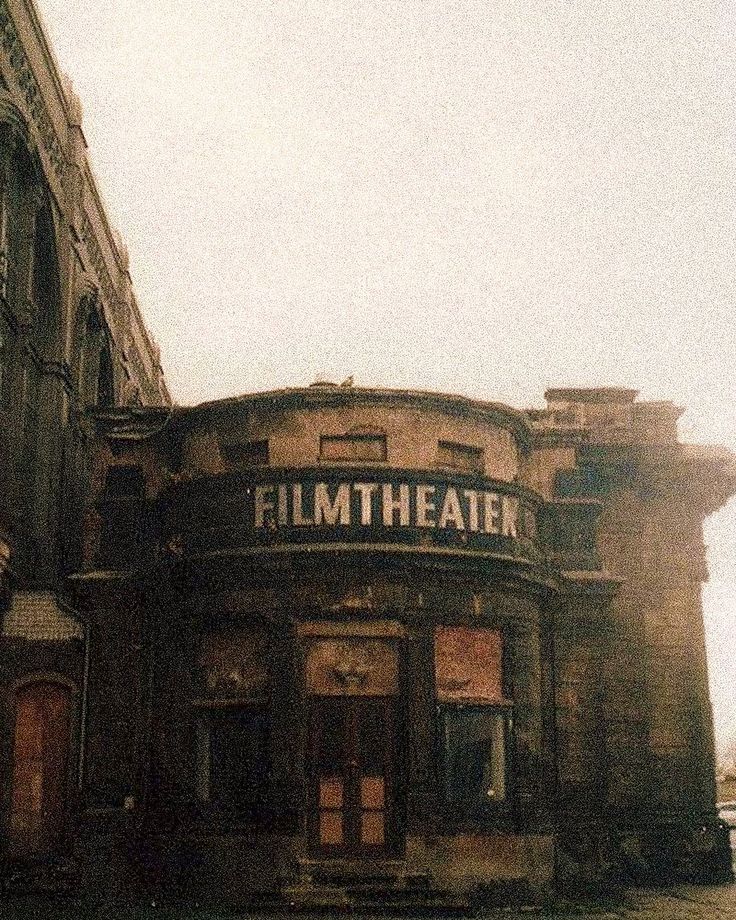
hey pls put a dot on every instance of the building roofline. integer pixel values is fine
(591, 394)
(333, 394)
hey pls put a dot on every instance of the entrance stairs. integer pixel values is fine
(373, 885)
(55, 875)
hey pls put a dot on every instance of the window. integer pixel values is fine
(105, 379)
(245, 453)
(460, 457)
(233, 769)
(96, 375)
(124, 482)
(353, 447)
(473, 753)
(122, 506)
(233, 763)
(581, 481)
(474, 714)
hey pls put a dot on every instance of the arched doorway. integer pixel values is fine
(40, 766)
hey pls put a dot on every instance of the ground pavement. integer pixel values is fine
(682, 903)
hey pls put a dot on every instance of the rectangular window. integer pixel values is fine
(474, 754)
(245, 454)
(474, 714)
(460, 457)
(233, 725)
(233, 762)
(353, 447)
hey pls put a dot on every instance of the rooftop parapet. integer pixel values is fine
(606, 415)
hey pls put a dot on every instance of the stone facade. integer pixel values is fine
(324, 640)
(264, 519)
(71, 340)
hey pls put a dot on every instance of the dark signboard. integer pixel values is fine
(327, 506)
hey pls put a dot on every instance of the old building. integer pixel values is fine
(71, 339)
(339, 631)
(325, 640)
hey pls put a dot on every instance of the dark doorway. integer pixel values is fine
(40, 767)
(353, 785)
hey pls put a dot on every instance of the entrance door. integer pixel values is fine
(353, 785)
(40, 767)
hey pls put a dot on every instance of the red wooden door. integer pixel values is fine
(40, 767)
(353, 796)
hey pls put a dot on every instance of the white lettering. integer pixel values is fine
(331, 512)
(390, 505)
(510, 517)
(451, 511)
(299, 519)
(491, 513)
(264, 504)
(283, 507)
(366, 490)
(424, 506)
(472, 498)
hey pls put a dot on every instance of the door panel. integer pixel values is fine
(353, 801)
(40, 767)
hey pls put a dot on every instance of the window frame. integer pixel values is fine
(254, 808)
(475, 806)
(353, 438)
(228, 449)
(475, 812)
(470, 450)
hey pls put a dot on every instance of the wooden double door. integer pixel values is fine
(354, 785)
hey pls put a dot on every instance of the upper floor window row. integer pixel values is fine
(462, 457)
(353, 448)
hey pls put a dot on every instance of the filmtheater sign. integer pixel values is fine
(358, 503)
(311, 507)
(384, 504)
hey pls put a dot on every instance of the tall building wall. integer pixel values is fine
(71, 332)
(72, 340)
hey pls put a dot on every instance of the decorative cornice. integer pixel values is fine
(99, 266)
(31, 91)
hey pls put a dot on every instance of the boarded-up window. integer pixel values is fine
(40, 766)
(468, 665)
(353, 447)
(460, 457)
(233, 664)
(245, 454)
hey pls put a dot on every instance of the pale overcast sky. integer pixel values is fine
(474, 197)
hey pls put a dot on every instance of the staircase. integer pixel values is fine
(373, 885)
(39, 875)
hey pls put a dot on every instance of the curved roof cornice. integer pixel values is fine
(334, 395)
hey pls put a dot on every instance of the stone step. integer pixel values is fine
(314, 897)
(55, 875)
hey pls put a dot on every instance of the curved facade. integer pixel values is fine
(326, 645)
(346, 632)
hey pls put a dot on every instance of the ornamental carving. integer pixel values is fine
(97, 259)
(31, 92)
(351, 667)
